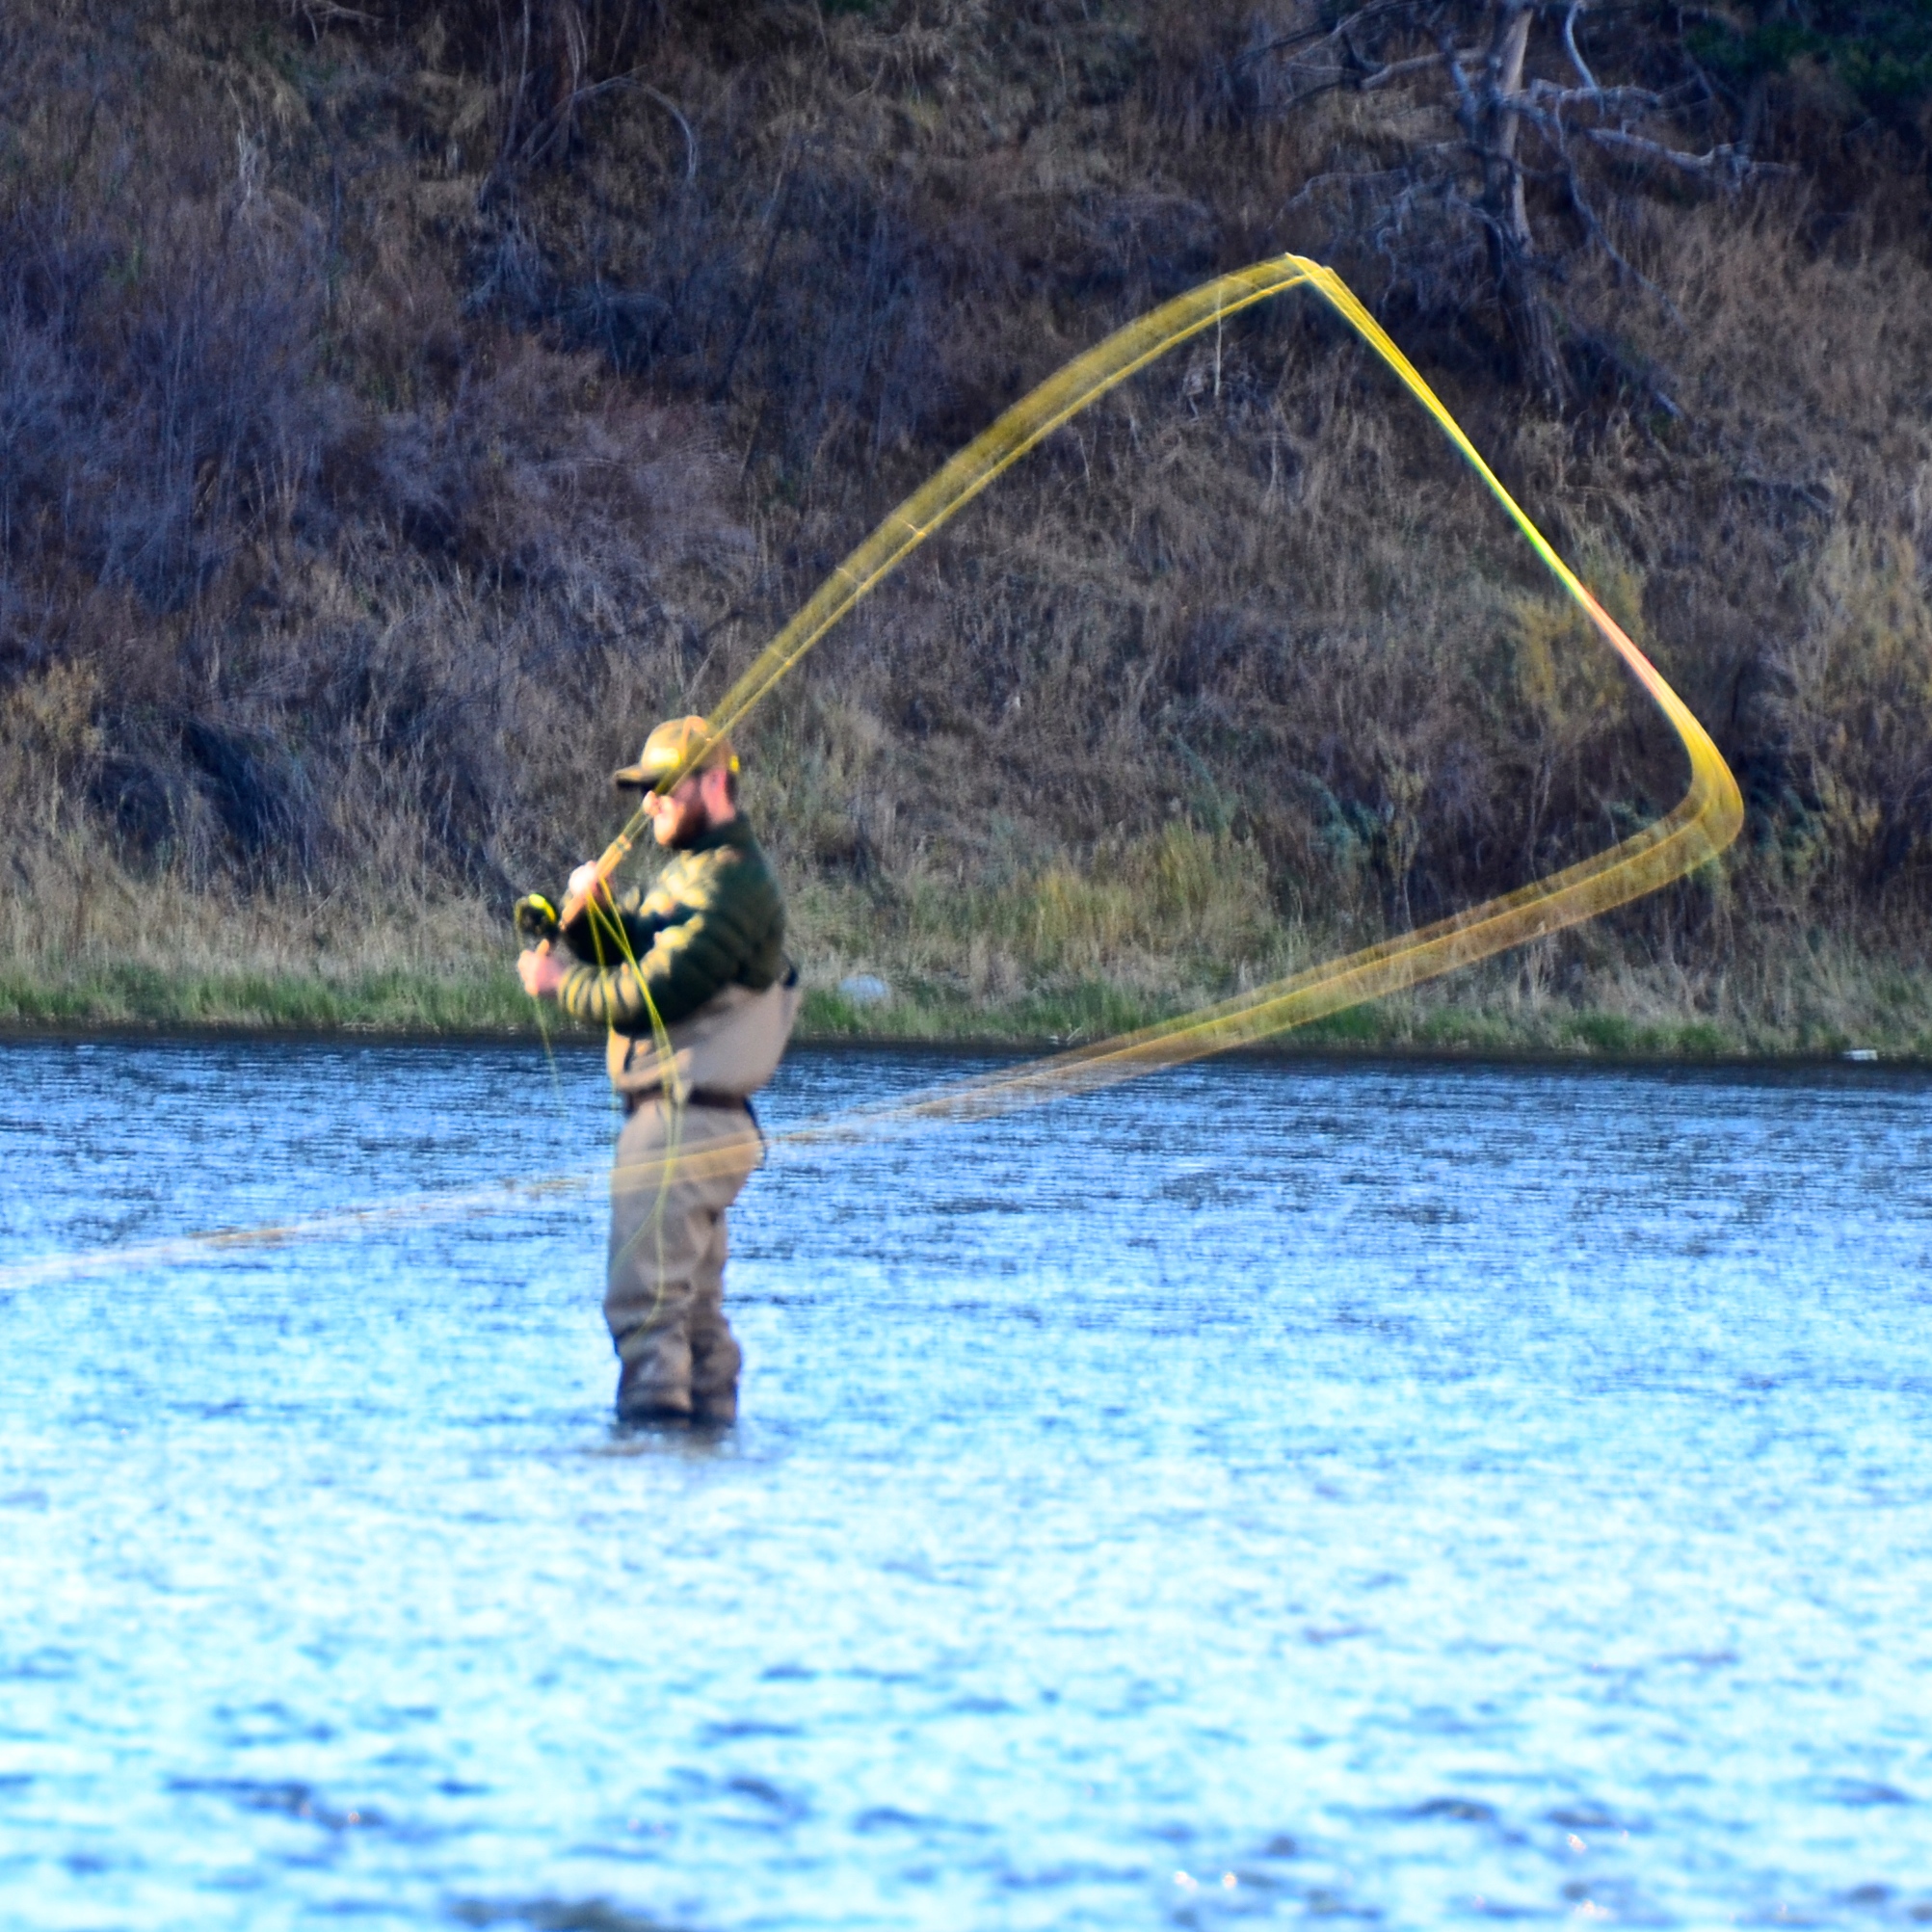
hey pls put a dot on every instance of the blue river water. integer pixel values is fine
(1267, 1493)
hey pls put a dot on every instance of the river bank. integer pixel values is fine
(1493, 1015)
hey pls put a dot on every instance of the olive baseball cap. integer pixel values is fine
(671, 748)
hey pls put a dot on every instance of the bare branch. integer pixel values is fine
(1338, 31)
(317, 14)
(1607, 101)
(1360, 81)
(1577, 60)
(1396, 69)
(1599, 234)
(565, 112)
(1466, 110)
(690, 140)
(1723, 163)
(1368, 176)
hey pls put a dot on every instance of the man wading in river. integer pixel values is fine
(692, 981)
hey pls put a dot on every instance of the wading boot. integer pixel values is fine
(715, 1361)
(644, 1393)
(718, 1407)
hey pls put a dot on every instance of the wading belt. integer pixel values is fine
(698, 1097)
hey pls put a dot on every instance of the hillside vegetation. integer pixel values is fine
(402, 405)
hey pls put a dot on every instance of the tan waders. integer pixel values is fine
(676, 1173)
(677, 1170)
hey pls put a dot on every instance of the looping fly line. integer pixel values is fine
(1701, 825)
(1703, 822)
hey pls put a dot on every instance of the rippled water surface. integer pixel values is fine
(1265, 1493)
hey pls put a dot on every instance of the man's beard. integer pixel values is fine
(691, 827)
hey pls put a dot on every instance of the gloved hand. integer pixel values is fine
(535, 918)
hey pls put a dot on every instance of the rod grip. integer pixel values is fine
(611, 857)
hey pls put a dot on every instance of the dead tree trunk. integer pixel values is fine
(1512, 249)
(1517, 139)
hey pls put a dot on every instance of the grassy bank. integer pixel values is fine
(1044, 951)
(1827, 1010)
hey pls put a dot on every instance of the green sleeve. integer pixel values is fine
(719, 923)
(605, 938)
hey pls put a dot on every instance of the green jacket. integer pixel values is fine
(713, 918)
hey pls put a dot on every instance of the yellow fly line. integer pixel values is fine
(1702, 824)
(1706, 820)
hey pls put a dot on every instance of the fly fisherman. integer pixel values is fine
(692, 981)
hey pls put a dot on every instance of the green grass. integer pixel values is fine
(383, 1002)
(486, 1000)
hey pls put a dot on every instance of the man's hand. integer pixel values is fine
(542, 973)
(582, 882)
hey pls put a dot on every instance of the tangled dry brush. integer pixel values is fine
(401, 406)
